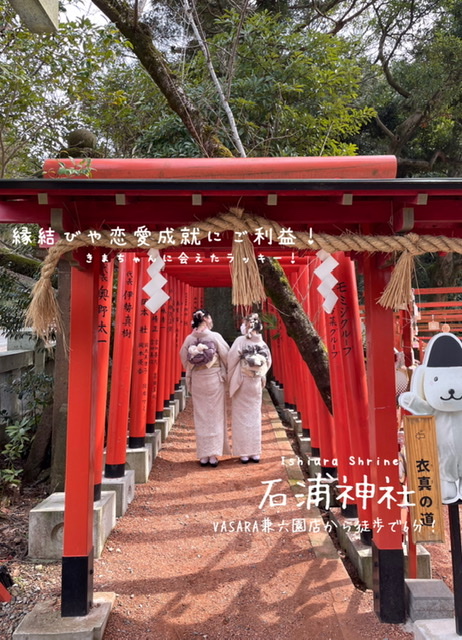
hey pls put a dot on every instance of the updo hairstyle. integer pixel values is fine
(254, 323)
(199, 317)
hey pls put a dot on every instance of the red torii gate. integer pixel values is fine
(326, 194)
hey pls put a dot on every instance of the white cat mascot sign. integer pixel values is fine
(436, 389)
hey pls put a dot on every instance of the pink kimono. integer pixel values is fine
(248, 362)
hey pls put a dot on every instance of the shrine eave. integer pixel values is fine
(396, 186)
(330, 205)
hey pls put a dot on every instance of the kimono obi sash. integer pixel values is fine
(212, 365)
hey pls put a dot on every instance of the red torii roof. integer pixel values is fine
(332, 195)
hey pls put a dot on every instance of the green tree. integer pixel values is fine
(412, 78)
(395, 43)
(291, 92)
(44, 79)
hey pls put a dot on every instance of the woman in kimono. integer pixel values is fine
(204, 357)
(248, 361)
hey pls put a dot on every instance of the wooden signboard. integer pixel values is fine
(423, 477)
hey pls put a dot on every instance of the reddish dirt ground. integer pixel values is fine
(180, 572)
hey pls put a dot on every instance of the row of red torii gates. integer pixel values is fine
(331, 195)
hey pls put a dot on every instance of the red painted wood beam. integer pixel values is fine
(162, 381)
(77, 565)
(350, 351)
(426, 316)
(5, 595)
(440, 305)
(278, 344)
(437, 290)
(326, 421)
(103, 347)
(171, 356)
(323, 212)
(124, 335)
(387, 547)
(301, 290)
(140, 362)
(153, 373)
(232, 168)
(339, 384)
(382, 396)
(179, 302)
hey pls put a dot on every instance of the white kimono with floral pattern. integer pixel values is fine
(245, 388)
(207, 385)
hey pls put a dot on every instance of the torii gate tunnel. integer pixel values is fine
(314, 195)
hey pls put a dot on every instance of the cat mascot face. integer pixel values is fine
(436, 389)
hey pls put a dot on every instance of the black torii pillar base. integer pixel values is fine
(388, 584)
(76, 586)
(456, 556)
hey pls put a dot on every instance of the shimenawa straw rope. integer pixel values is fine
(44, 314)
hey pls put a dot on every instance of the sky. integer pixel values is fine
(87, 8)
(78, 8)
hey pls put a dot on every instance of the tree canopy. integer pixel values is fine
(332, 77)
(46, 83)
(291, 91)
(388, 45)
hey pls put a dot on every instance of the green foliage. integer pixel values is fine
(292, 91)
(419, 98)
(123, 105)
(35, 392)
(18, 271)
(270, 323)
(13, 303)
(166, 138)
(305, 81)
(19, 436)
(80, 167)
(44, 80)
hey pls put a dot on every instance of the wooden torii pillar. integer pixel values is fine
(77, 562)
(387, 546)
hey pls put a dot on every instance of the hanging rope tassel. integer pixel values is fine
(398, 292)
(247, 285)
(44, 314)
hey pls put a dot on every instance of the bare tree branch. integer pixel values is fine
(406, 165)
(385, 129)
(224, 102)
(233, 54)
(386, 69)
(122, 15)
(346, 19)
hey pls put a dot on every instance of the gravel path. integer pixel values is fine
(180, 571)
